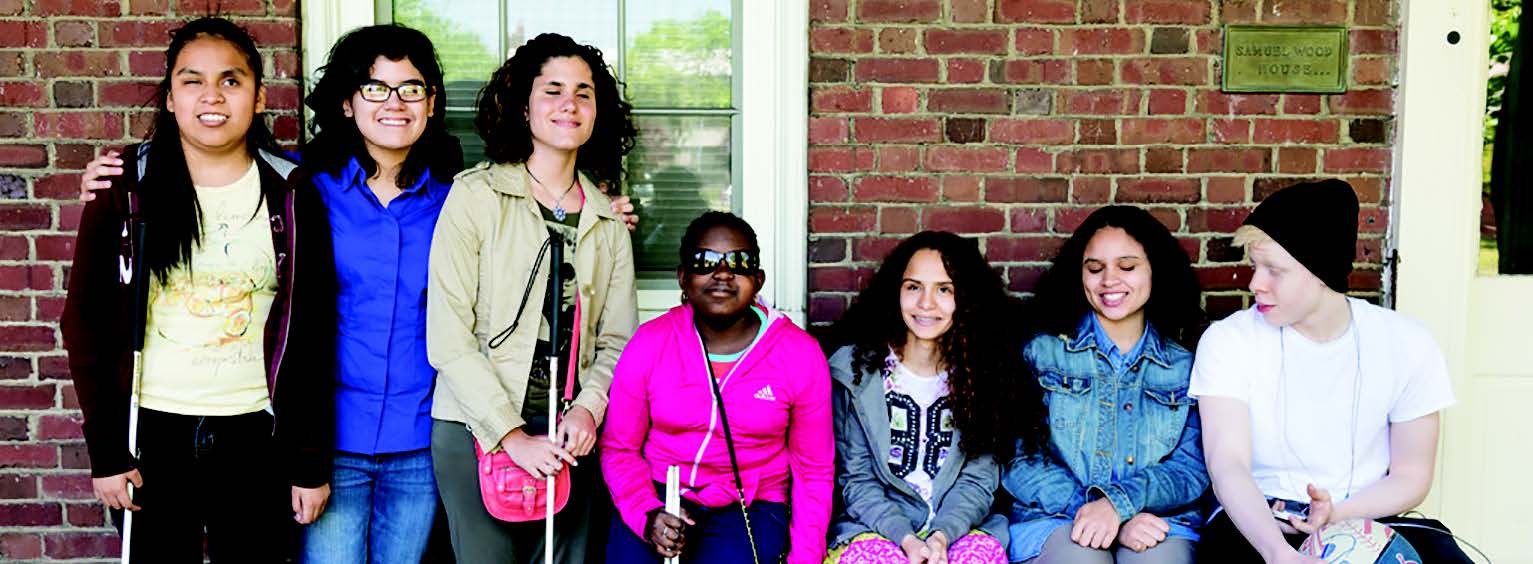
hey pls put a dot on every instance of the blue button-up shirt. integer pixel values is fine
(383, 380)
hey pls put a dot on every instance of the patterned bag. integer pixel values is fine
(1360, 541)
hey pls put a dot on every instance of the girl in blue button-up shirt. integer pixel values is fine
(1123, 469)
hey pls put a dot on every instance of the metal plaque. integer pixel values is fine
(1285, 58)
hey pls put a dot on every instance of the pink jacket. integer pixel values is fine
(661, 413)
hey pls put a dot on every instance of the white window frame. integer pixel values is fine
(774, 106)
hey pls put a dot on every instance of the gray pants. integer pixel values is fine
(1059, 549)
(478, 536)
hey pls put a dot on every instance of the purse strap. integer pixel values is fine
(734, 462)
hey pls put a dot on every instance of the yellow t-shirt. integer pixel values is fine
(204, 350)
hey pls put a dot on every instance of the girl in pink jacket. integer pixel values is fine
(771, 446)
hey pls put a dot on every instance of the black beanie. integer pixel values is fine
(1316, 222)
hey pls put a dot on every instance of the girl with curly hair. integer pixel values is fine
(1123, 469)
(925, 403)
(553, 119)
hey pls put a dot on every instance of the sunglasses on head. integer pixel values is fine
(704, 262)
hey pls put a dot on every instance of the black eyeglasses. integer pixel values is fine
(704, 262)
(379, 92)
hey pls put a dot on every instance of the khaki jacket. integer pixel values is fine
(481, 255)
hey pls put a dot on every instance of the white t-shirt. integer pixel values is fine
(920, 426)
(1304, 396)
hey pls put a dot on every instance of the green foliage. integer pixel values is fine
(682, 63)
(1503, 39)
(464, 56)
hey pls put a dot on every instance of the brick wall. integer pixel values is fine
(1011, 120)
(74, 77)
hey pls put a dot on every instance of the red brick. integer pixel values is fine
(1040, 11)
(26, 277)
(1111, 102)
(1034, 160)
(1167, 102)
(826, 308)
(1101, 41)
(1050, 71)
(897, 70)
(899, 220)
(23, 94)
(13, 63)
(827, 250)
(834, 99)
(965, 219)
(148, 33)
(827, 10)
(285, 129)
(130, 94)
(12, 8)
(1094, 72)
(1372, 12)
(969, 11)
(49, 309)
(838, 278)
(1162, 131)
(74, 34)
(897, 40)
(23, 156)
(1022, 249)
(895, 189)
(1210, 41)
(960, 71)
(898, 159)
(960, 188)
(68, 486)
(31, 514)
(899, 99)
(85, 515)
(285, 65)
(1297, 160)
(1373, 41)
(1099, 161)
(223, 8)
(1026, 189)
(1229, 160)
(1023, 278)
(13, 248)
(1162, 70)
(14, 308)
(1215, 220)
(23, 33)
(841, 40)
(54, 64)
(155, 7)
(1219, 103)
(1371, 71)
(1304, 12)
(950, 41)
(283, 32)
(1231, 131)
(967, 159)
(1097, 132)
(27, 397)
(1159, 190)
(1164, 160)
(1224, 277)
(146, 63)
(823, 131)
(1362, 102)
(1276, 131)
(896, 130)
(79, 125)
(968, 101)
(874, 248)
(1372, 220)
(1034, 41)
(1301, 104)
(1100, 11)
(1226, 189)
(76, 8)
(1029, 219)
(1357, 160)
(1067, 220)
(826, 219)
(64, 546)
(27, 456)
(898, 10)
(826, 189)
(1167, 11)
(1090, 190)
(69, 216)
(24, 217)
(840, 159)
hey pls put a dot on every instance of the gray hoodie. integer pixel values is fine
(870, 498)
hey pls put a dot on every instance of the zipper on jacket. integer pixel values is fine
(713, 407)
(292, 293)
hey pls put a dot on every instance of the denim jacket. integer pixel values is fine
(1131, 436)
(869, 497)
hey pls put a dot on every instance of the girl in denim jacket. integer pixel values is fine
(1123, 470)
(924, 408)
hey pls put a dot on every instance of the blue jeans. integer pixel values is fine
(392, 497)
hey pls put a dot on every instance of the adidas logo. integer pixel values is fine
(765, 393)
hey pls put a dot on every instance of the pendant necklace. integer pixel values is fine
(559, 212)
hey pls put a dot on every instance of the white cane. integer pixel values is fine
(556, 282)
(127, 514)
(132, 275)
(673, 499)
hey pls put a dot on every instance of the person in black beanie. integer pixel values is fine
(1317, 408)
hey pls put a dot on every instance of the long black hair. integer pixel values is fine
(502, 106)
(167, 198)
(993, 403)
(1174, 308)
(336, 138)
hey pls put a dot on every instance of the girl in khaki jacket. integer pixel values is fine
(550, 113)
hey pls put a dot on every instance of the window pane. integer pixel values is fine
(680, 169)
(466, 42)
(589, 22)
(680, 54)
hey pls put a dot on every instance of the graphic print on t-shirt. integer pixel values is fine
(535, 405)
(920, 426)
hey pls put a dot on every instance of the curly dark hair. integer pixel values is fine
(993, 405)
(336, 138)
(503, 101)
(1174, 306)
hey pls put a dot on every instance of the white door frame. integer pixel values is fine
(774, 141)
